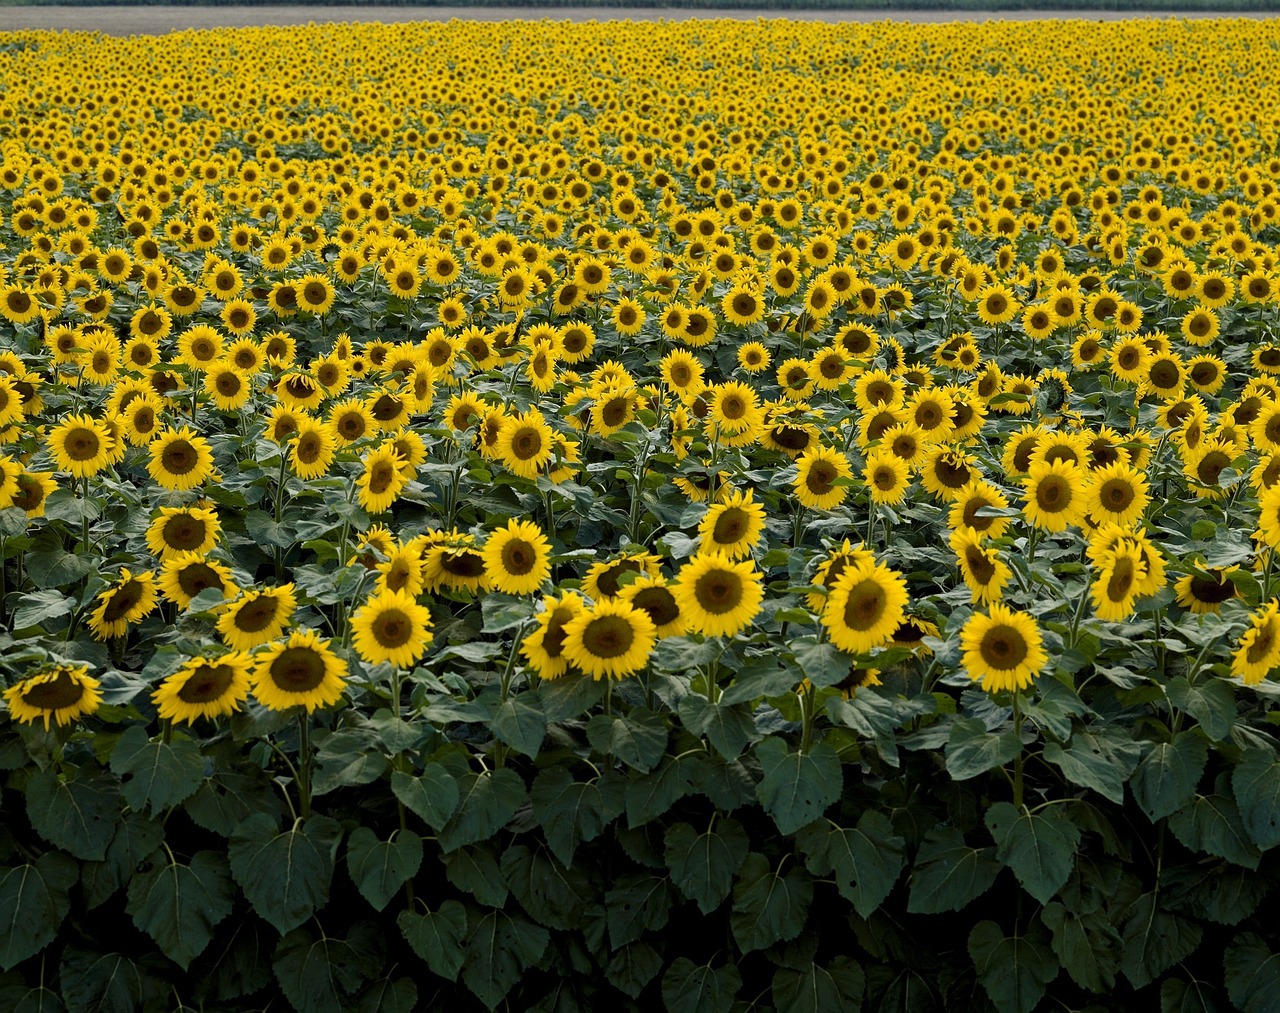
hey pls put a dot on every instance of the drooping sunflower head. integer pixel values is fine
(204, 688)
(60, 693)
(257, 616)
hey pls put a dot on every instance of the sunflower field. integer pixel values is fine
(695, 516)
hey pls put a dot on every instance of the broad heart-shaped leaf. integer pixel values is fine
(1102, 762)
(1211, 823)
(437, 937)
(632, 968)
(698, 988)
(948, 874)
(137, 835)
(1256, 784)
(389, 995)
(728, 727)
(797, 787)
(475, 870)
(77, 816)
(972, 750)
(433, 796)
(822, 663)
(156, 773)
(1195, 996)
(487, 801)
(96, 982)
(1154, 940)
(1088, 946)
(222, 803)
(180, 905)
(1039, 847)
(322, 974)
(702, 864)
(500, 948)
(569, 811)
(520, 723)
(1222, 892)
(815, 989)
(33, 903)
(551, 894)
(638, 904)
(639, 740)
(1167, 777)
(768, 908)
(1211, 703)
(236, 965)
(16, 997)
(650, 796)
(866, 861)
(1014, 970)
(1252, 974)
(285, 874)
(380, 868)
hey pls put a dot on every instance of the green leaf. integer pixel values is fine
(1102, 762)
(1039, 847)
(57, 567)
(1211, 703)
(769, 908)
(865, 861)
(380, 868)
(972, 750)
(815, 989)
(179, 906)
(650, 796)
(1256, 784)
(17, 998)
(520, 723)
(135, 838)
(698, 988)
(349, 758)
(504, 612)
(725, 782)
(94, 982)
(1178, 996)
(822, 664)
(728, 727)
(1014, 970)
(487, 801)
(569, 696)
(285, 875)
(552, 894)
(389, 995)
(34, 899)
(40, 606)
(639, 903)
(702, 864)
(437, 937)
(433, 796)
(77, 816)
(238, 964)
(569, 811)
(223, 803)
(1222, 892)
(1088, 946)
(632, 968)
(1166, 778)
(156, 773)
(263, 529)
(1154, 940)
(760, 678)
(639, 740)
(322, 974)
(797, 787)
(500, 948)
(1252, 974)
(1212, 823)
(948, 874)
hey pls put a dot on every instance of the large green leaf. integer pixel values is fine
(475, 870)
(437, 936)
(179, 905)
(1101, 761)
(487, 801)
(34, 899)
(948, 874)
(1222, 892)
(639, 903)
(433, 796)
(499, 949)
(520, 723)
(137, 835)
(236, 964)
(285, 875)
(865, 861)
(349, 758)
(389, 995)
(1167, 777)
(1088, 946)
(1212, 824)
(699, 988)
(797, 787)
(569, 811)
(78, 816)
(972, 750)
(96, 982)
(639, 739)
(1211, 703)
(632, 968)
(156, 773)
(728, 727)
(1256, 784)
(1178, 996)
(224, 802)
(816, 989)
(552, 894)
(769, 907)
(650, 796)
(1252, 974)
(1040, 847)
(380, 868)
(1014, 970)
(1154, 940)
(702, 864)
(321, 974)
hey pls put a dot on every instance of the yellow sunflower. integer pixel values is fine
(381, 481)
(817, 473)
(517, 557)
(654, 595)
(302, 671)
(866, 604)
(185, 575)
(603, 578)
(1003, 649)
(1117, 493)
(181, 530)
(81, 445)
(131, 597)
(1053, 495)
(718, 597)
(180, 459)
(1202, 594)
(733, 526)
(257, 616)
(1118, 583)
(204, 688)
(982, 569)
(392, 627)
(543, 649)
(611, 639)
(1258, 650)
(58, 693)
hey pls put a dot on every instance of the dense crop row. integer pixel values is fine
(696, 514)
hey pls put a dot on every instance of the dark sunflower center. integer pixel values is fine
(382, 477)
(608, 637)
(82, 444)
(1212, 592)
(865, 606)
(1121, 580)
(29, 493)
(731, 526)
(744, 304)
(971, 518)
(55, 694)
(1164, 374)
(1128, 358)
(386, 408)
(1211, 466)
(207, 683)
(950, 474)
(553, 639)
(121, 600)
(179, 457)
(297, 670)
(351, 425)
(256, 615)
(614, 411)
(821, 478)
(880, 392)
(659, 603)
(228, 384)
(392, 628)
(463, 564)
(526, 444)
(1116, 495)
(1262, 643)
(197, 577)
(309, 448)
(1003, 647)
(832, 367)
(884, 478)
(519, 557)
(791, 438)
(1053, 494)
(718, 591)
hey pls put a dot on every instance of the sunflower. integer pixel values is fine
(653, 595)
(227, 386)
(517, 557)
(131, 597)
(1053, 494)
(1003, 649)
(455, 564)
(392, 627)
(381, 480)
(204, 688)
(841, 558)
(682, 372)
(978, 495)
(142, 418)
(1118, 493)
(611, 639)
(543, 649)
(736, 416)
(257, 616)
(982, 569)
(603, 578)
(742, 305)
(1116, 587)
(753, 357)
(946, 471)
(1205, 591)
(177, 531)
(32, 490)
(62, 693)
(180, 460)
(302, 671)
(184, 576)
(887, 477)
(311, 454)
(816, 483)
(866, 604)
(524, 444)
(404, 569)
(1258, 651)
(81, 445)
(718, 597)
(997, 305)
(733, 526)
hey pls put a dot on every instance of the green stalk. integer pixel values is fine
(806, 716)
(1017, 760)
(304, 763)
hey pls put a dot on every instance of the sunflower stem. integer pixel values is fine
(1077, 615)
(806, 716)
(1017, 760)
(166, 734)
(4, 588)
(304, 763)
(608, 697)
(84, 513)
(195, 390)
